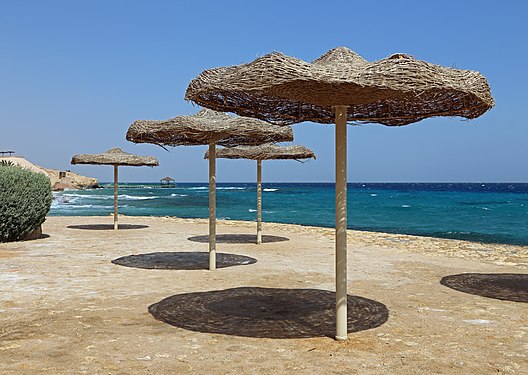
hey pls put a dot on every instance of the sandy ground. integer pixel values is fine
(65, 308)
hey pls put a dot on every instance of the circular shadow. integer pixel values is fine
(238, 238)
(182, 260)
(107, 226)
(504, 286)
(267, 312)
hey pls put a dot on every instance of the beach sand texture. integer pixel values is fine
(66, 308)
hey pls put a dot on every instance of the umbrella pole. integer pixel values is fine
(341, 223)
(116, 225)
(259, 201)
(212, 206)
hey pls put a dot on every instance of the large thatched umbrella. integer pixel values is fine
(208, 128)
(341, 86)
(263, 152)
(115, 157)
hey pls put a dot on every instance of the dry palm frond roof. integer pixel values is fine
(207, 127)
(264, 152)
(397, 90)
(115, 156)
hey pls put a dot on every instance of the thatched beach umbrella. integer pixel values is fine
(208, 127)
(264, 152)
(341, 86)
(115, 157)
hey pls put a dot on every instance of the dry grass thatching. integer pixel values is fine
(397, 90)
(264, 152)
(207, 127)
(115, 156)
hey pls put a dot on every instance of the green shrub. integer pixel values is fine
(25, 199)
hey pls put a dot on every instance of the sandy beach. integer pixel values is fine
(66, 308)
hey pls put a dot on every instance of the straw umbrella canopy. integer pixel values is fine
(263, 152)
(115, 157)
(208, 127)
(341, 86)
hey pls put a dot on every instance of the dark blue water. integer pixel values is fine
(496, 213)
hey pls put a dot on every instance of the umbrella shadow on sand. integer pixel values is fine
(504, 286)
(182, 260)
(267, 312)
(107, 226)
(238, 238)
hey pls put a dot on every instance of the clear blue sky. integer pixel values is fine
(75, 74)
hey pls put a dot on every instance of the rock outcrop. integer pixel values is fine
(60, 180)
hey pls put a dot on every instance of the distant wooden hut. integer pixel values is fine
(167, 182)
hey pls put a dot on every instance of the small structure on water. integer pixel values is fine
(167, 182)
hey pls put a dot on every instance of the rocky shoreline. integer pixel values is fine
(60, 179)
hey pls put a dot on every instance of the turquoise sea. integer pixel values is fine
(495, 213)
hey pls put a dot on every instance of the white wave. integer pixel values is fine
(89, 206)
(373, 195)
(198, 188)
(178, 195)
(269, 189)
(230, 188)
(88, 196)
(252, 210)
(135, 197)
(79, 206)
(405, 205)
(58, 201)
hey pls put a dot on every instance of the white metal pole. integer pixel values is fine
(341, 223)
(259, 201)
(116, 225)
(212, 206)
